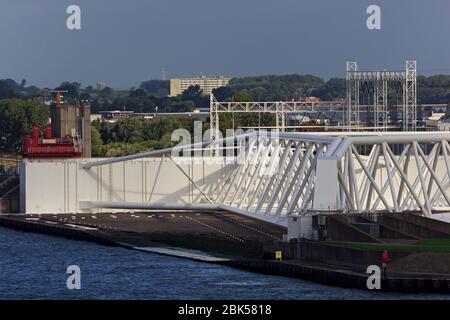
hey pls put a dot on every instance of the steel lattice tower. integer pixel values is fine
(352, 114)
(410, 97)
(214, 118)
(380, 105)
(378, 80)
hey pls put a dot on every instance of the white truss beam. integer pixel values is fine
(369, 176)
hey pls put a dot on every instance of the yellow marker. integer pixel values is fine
(9, 163)
(278, 255)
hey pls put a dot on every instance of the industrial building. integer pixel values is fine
(74, 121)
(67, 136)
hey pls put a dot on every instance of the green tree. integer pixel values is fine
(243, 96)
(97, 142)
(72, 88)
(127, 130)
(195, 94)
(335, 88)
(5, 91)
(191, 93)
(157, 88)
(17, 117)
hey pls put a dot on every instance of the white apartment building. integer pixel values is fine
(177, 86)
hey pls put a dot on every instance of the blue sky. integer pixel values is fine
(125, 42)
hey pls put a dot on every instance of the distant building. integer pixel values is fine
(113, 116)
(143, 115)
(440, 125)
(177, 86)
(310, 99)
(101, 85)
(436, 116)
(116, 115)
(95, 117)
(437, 122)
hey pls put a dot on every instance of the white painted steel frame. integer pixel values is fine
(380, 79)
(279, 108)
(371, 176)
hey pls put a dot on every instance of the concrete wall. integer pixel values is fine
(326, 253)
(300, 227)
(418, 226)
(58, 186)
(409, 227)
(339, 230)
(64, 119)
(84, 127)
(10, 203)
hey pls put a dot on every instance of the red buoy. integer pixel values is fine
(386, 256)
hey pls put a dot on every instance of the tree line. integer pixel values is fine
(21, 106)
(152, 95)
(133, 135)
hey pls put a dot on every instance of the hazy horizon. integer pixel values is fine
(126, 42)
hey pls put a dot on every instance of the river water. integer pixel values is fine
(33, 266)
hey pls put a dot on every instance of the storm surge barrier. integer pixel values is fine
(272, 175)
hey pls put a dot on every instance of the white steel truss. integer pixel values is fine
(415, 179)
(276, 174)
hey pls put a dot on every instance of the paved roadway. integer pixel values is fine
(219, 232)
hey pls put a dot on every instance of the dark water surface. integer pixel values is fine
(33, 266)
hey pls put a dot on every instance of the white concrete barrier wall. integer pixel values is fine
(58, 186)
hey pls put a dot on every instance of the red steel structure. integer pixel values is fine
(47, 146)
